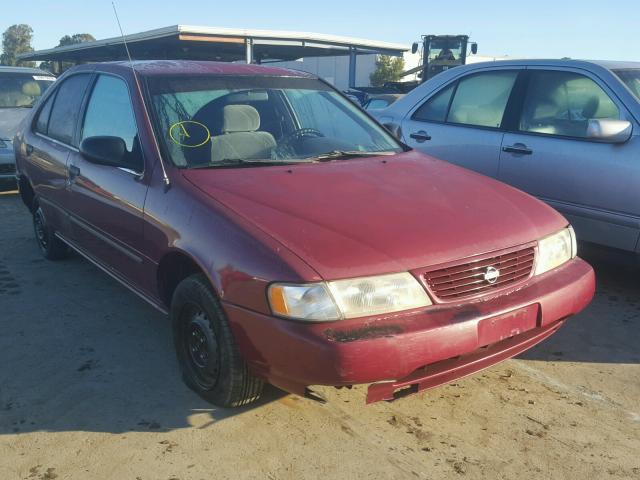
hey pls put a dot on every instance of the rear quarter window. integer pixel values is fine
(66, 108)
(42, 121)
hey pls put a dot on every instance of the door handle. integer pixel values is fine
(517, 148)
(420, 136)
(73, 172)
(28, 149)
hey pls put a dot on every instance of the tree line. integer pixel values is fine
(17, 39)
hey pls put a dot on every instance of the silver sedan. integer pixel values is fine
(566, 131)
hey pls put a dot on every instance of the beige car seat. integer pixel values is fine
(240, 137)
(30, 91)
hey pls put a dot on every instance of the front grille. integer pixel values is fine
(468, 279)
(7, 168)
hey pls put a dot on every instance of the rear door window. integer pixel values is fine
(478, 100)
(562, 103)
(481, 99)
(66, 108)
(435, 109)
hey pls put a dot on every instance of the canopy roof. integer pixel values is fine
(213, 43)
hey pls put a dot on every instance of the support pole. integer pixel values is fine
(249, 45)
(352, 67)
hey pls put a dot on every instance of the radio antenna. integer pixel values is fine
(165, 177)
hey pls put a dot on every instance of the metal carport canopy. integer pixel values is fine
(222, 44)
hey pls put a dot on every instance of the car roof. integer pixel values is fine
(562, 62)
(185, 67)
(37, 71)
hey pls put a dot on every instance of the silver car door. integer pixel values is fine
(596, 185)
(461, 121)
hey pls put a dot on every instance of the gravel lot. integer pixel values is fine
(89, 389)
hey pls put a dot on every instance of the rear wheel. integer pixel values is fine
(52, 247)
(209, 359)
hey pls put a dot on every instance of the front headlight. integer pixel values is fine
(556, 249)
(351, 298)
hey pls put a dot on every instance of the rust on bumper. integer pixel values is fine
(445, 371)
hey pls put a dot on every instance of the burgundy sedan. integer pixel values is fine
(289, 237)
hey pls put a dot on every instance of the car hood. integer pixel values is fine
(10, 118)
(385, 214)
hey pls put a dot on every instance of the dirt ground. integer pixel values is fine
(89, 389)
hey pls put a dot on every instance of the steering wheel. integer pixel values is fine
(285, 145)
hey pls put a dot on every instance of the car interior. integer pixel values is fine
(261, 124)
(244, 124)
(18, 93)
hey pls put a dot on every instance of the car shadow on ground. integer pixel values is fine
(80, 352)
(608, 329)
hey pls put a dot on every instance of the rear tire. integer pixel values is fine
(209, 359)
(51, 247)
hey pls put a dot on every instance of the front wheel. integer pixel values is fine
(209, 359)
(51, 247)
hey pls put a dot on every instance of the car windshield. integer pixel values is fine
(631, 78)
(216, 121)
(22, 89)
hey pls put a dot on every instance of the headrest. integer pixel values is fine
(590, 107)
(240, 118)
(31, 89)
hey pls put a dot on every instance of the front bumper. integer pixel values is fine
(7, 162)
(411, 350)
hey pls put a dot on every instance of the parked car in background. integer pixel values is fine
(20, 88)
(291, 238)
(566, 131)
(380, 101)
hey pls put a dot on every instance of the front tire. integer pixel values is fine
(51, 247)
(209, 359)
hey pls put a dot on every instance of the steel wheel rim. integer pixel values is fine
(201, 347)
(40, 228)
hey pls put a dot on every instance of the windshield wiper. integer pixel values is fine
(344, 154)
(239, 162)
(18, 106)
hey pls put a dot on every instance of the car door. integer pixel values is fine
(108, 202)
(593, 183)
(49, 144)
(462, 121)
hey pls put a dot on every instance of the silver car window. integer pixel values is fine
(562, 103)
(435, 109)
(481, 99)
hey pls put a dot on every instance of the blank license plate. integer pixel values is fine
(494, 329)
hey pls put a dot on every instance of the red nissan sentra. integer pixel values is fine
(291, 239)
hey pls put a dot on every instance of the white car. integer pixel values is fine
(20, 88)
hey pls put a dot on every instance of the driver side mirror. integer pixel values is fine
(104, 150)
(474, 48)
(414, 47)
(609, 130)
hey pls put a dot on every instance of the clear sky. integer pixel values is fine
(543, 28)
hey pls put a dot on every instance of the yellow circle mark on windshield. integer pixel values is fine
(189, 133)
